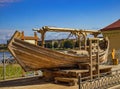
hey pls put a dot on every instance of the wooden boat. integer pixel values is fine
(33, 57)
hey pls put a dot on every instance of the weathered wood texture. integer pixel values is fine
(32, 57)
(70, 81)
(70, 76)
(73, 73)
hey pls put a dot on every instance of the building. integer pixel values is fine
(112, 31)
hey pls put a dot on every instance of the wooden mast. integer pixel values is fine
(42, 32)
(43, 37)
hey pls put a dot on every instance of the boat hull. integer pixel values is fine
(32, 57)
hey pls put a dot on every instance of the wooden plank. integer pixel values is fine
(53, 58)
(52, 52)
(74, 72)
(39, 53)
(70, 81)
(41, 62)
(16, 35)
(61, 74)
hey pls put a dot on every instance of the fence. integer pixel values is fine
(9, 68)
(105, 81)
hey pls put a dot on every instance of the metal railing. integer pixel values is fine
(10, 69)
(105, 81)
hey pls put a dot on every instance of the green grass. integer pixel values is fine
(11, 71)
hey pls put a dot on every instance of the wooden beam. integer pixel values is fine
(67, 30)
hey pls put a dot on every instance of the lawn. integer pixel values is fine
(11, 71)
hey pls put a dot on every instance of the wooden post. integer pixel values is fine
(43, 37)
(22, 37)
(97, 65)
(36, 38)
(85, 42)
(97, 60)
(90, 53)
(85, 34)
(79, 81)
(94, 49)
(79, 42)
(95, 34)
(4, 67)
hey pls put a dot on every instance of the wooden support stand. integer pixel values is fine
(70, 81)
(86, 69)
(94, 50)
(83, 65)
(70, 76)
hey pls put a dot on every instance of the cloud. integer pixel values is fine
(1, 5)
(5, 2)
(8, 1)
(56, 35)
(5, 35)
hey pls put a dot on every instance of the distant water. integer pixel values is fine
(7, 55)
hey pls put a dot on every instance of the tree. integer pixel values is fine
(68, 44)
(77, 43)
(55, 45)
(48, 45)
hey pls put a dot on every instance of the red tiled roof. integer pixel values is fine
(115, 25)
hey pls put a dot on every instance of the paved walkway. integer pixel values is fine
(115, 87)
(37, 83)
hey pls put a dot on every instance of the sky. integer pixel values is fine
(23, 15)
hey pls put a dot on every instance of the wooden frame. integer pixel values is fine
(30, 38)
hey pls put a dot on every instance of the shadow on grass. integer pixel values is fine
(23, 82)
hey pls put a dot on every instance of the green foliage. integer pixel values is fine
(62, 44)
(77, 44)
(12, 71)
(55, 45)
(3, 47)
(39, 43)
(68, 44)
(48, 45)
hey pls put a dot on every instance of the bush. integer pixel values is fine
(55, 45)
(48, 45)
(68, 44)
(77, 44)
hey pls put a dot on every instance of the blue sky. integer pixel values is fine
(24, 15)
